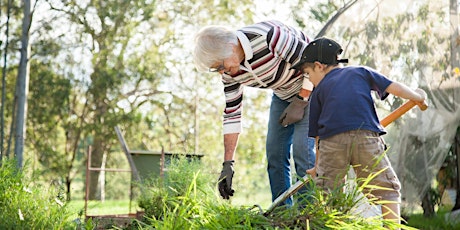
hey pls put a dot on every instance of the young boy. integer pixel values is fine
(345, 124)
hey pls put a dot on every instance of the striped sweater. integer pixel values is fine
(270, 48)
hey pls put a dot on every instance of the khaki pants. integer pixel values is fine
(365, 151)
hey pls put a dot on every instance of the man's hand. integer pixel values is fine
(294, 112)
(225, 180)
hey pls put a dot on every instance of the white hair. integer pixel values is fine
(213, 44)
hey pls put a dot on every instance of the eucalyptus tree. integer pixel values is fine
(22, 85)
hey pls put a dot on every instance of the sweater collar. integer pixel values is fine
(246, 44)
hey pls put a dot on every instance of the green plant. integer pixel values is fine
(160, 194)
(185, 199)
(25, 205)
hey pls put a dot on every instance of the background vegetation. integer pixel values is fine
(99, 64)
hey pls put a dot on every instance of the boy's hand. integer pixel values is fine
(422, 94)
(422, 103)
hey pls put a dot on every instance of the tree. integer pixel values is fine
(455, 64)
(22, 86)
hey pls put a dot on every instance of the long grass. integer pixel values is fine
(185, 199)
(25, 205)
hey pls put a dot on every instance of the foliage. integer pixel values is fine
(24, 205)
(48, 116)
(184, 200)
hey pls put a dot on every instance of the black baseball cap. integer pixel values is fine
(323, 50)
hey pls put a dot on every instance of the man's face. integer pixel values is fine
(230, 65)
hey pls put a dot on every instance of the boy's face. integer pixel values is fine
(316, 73)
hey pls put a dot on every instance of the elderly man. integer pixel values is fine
(261, 56)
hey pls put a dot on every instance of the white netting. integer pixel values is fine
(423, 141)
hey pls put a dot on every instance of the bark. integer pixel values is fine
(22, 86)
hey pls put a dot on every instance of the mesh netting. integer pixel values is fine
(424, 139)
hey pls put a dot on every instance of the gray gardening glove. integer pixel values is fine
(225, 180)
(294, 112)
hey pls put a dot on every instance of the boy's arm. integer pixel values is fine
(403, 91)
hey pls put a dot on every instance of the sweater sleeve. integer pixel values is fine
(233, 106)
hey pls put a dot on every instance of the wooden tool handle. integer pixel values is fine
(400, 111)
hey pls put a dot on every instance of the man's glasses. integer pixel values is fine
(218, 68)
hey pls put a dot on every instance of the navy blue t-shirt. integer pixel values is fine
(342, 101)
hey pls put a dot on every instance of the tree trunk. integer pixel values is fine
(457, 153)
(22, 86)
(102, 176)
(68, 183)
(455, 62)
(427, 205)
(2, 109)
(96, 162)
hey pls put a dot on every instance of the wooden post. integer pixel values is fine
(88, 165)
(162, 163)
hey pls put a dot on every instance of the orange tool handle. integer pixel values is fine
(400, 111)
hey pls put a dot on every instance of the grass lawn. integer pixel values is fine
(438, 222)
(108, 207)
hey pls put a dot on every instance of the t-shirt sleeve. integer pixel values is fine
(379, 83)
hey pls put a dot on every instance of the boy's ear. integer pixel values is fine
(319, 65)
